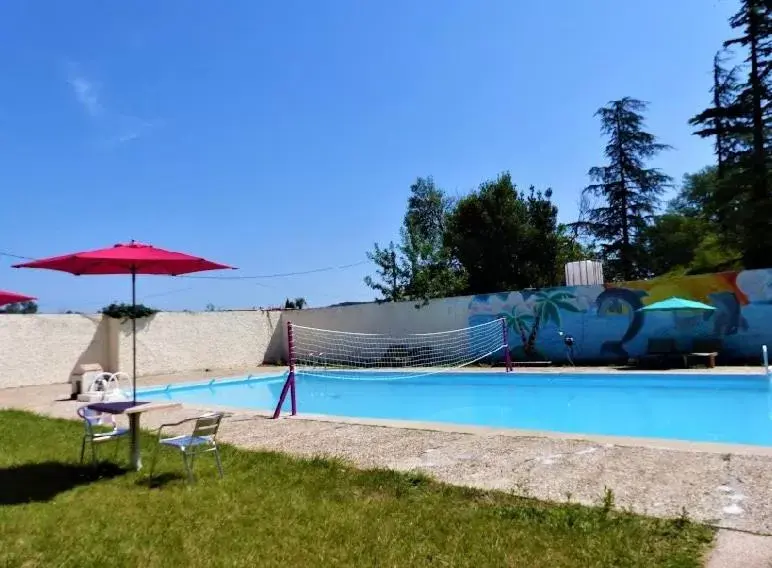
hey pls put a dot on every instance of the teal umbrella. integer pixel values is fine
(675, 305)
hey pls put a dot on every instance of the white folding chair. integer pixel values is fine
(202, 439)
(92, 436)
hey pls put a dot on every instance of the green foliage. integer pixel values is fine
(420, 267)
(495, 238)
(608, 501)
(393, 276)
(739, 122)
(670, 242)
(127, 311)
(29, 307)
(628, 191)
(505, 239)
(690, 237)
(569, 249)
(312, 512)
(296, 304)
(722, 120)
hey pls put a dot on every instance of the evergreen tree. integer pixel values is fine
(628, 191)
(726, 122)
(750, 174)
(722, 120)
(420, 267)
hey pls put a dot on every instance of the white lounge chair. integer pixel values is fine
(107, 387)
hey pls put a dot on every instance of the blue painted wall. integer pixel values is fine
(607, 326)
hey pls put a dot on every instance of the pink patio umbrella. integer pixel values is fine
(12, 298)
(130, 258)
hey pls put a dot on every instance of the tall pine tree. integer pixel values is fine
(722, 120)
(726, 122)
(628, 191)
(754, 22)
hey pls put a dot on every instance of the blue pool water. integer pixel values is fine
(709, 408)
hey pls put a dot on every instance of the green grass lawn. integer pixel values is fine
(273, 510)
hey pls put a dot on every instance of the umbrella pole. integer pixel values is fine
(134, 335)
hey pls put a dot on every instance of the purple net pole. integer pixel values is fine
(291, 349)
(507, 357)
(289, 384)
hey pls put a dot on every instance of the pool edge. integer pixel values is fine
(453, 428)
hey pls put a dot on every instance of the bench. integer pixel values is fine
(704, 349)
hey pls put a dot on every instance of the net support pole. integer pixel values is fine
(507, 356)
(289, 384)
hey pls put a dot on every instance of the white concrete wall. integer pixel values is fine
(396, 319)
(44, 349)
(176, 342)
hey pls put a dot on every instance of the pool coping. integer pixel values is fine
(460, 428)
(490, 431)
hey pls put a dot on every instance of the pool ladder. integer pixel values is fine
(765, 361)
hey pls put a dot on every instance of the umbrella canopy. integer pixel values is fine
(676, 304)
(129, 258)
(12, 297)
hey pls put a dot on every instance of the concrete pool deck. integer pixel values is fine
(723, 485)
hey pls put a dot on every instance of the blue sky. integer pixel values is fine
(283, 136)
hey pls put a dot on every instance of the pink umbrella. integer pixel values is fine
(12, 297)
(130, 258)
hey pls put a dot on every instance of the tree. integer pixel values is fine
(754, 20)
(670, 242)
(393, 276)
(701, 196)
(420, 267)
(629, 192)
(569, 249)
(434, 273)
(720, 121)
(296, 304)
(739, 120)
(29, 307)
(688, 237)
(504, 239)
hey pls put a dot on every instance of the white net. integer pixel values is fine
(330, 353)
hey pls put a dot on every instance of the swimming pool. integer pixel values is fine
(705, 408)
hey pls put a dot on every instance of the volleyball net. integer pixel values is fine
(344, 355)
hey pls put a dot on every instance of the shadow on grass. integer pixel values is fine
(39, 482)
(160, 480)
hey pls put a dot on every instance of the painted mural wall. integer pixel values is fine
(607, 326)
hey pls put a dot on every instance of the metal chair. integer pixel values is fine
(91, 420)
(201, 440)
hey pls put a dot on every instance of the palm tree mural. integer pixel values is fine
(545, 309)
